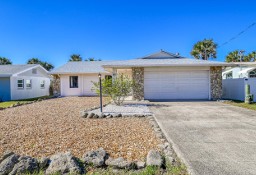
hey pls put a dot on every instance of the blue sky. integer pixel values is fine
(52, 30)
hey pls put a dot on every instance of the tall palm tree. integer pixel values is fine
(46, 65)
(233, 56)
(75, 57)
(5, 61)
(205, 49)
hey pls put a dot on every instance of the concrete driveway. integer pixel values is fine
(210, 137)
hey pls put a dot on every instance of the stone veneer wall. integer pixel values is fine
(138, 78)
(55, 85)
(216, 82)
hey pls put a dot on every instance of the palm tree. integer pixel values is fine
(5, 61)
(91, 59)
(75, 57)
(205, 49)
(46, 65)
(233, 56)
(250, 57)
(33, 61)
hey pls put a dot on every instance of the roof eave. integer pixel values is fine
(168, 65)
(76, 73)
(5, 75)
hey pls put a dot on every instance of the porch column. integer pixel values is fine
(114, 73)
(138, 78)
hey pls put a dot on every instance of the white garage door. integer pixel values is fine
(166, 83)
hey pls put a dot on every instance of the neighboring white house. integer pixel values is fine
(23, 82)
(239, 72)
(160, 76)
(235, 79)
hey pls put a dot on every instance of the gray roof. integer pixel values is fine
(164, 58)
(9, 70)
(81, 67)
(164, 62)
(161, 58)
(162, 55)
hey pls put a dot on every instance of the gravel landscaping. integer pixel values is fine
(126, 109)
(52, 126)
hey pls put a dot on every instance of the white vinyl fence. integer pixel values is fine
(234, 89)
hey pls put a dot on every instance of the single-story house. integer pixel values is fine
(76, 77)
(161, 76)
(23, 82)
(241, 71)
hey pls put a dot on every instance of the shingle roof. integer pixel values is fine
(164, 62)
(9, 70)
(80, 67)
(163, 58)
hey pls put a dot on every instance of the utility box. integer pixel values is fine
(248, 97)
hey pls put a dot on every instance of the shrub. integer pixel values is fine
(118, 89)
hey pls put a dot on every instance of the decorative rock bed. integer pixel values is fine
(113, 111)
(65, 163)
(165, 147)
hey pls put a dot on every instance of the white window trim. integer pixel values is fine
(30, 84)
(254, 72)
(71, 86)
(42, 82)
(20, 83)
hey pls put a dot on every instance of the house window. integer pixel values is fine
(108, 77)
(28, 83)
(252, 74)
(229, 75)
(42, 84)
(34, 71)
(20, 84)
(73, 81)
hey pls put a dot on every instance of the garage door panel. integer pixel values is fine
(176, 84)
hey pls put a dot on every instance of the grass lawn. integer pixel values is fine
(9, 103)
(243, 105)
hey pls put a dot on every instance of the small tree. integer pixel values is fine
(118, 89)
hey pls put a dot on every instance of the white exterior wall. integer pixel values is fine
(84, 85)
(35, 90)
(234, 89)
